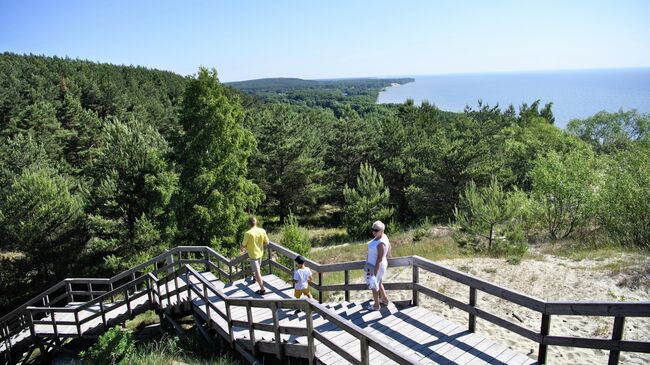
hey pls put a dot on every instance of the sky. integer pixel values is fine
(334, 39)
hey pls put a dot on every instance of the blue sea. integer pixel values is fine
(575, 94)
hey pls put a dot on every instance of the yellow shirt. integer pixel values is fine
(254, 240)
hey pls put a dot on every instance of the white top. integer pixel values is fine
(301, 276)
(373, 251)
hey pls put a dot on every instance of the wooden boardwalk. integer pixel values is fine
(415, 331)
(331, 333)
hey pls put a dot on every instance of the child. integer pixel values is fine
(301, 280)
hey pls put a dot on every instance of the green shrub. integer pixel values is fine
(625, 197)
(295, 238)
(564, 184)
(115, 347)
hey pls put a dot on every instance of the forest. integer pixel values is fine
(104, 166)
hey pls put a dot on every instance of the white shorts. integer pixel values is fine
(382, 267)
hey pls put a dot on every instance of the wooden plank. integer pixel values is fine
(506, 356)
(520, 359)
(408, 336)
(411, 332)
(446, 343)
(444, 330)
(481, 344)
(595, 343)
(334, 347)
(458, 346)
(608, 309)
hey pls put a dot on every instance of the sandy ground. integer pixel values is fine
(549, 278)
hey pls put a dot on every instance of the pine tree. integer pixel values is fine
(366, 203)
(42, 217)
(40, 121)
(348, 148)
(214, 152)
(482, 209)
(131, 190)
(288, 164)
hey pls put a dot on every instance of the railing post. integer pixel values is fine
(346, 281)
(189, 289)
(169, 301)
(320, 285)
(365, 359)
(32, 329)
(76, 321)
(101, 310)
(206, 300)
(149, 294)
(472, 303)
(276, 331)
(55, 327)
(311, 353)
(416, 279)
(270, 258)
(110, 289)
(206, 257)
(617, 335)
(229, 320)
(128, 301)
(251, 328)
(68, 289)
(169, 262)
(546, 325)
(178, 294)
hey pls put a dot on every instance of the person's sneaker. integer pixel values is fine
(297, 312)
(261, 292)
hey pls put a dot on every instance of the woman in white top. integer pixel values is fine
(378, 251)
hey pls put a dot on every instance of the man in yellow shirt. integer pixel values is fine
(254, 241)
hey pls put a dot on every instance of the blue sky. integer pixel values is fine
(331, 39)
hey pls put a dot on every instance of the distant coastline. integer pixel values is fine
(574, 94)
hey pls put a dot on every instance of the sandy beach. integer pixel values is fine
(549, 278)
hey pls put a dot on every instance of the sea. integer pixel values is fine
(574, 94)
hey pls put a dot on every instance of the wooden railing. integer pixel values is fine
(618, 310)
(145, 279)
(309, 306)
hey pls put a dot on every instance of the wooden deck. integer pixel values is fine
(415, 331)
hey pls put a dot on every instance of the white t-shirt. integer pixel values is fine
(301, 276)
(373, 251)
